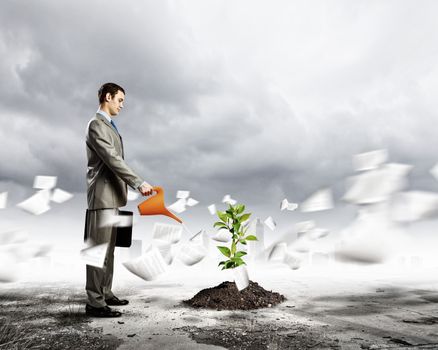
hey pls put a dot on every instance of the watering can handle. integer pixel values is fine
(157, 189)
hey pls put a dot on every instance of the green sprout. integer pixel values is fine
(234, 221)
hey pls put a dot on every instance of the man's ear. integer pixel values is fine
(108, 97)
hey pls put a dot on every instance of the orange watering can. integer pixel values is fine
(155, 205)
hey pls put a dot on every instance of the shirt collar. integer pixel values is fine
(104, 114)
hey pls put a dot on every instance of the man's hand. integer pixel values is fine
(146, 189)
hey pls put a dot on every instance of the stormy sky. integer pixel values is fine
(260, 100)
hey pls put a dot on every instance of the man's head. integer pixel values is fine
(111, 98)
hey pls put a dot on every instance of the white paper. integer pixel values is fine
(212, 209)
(292, 260)
(269, 221)
(179, 206)
(191, 202)
(320, 200)
(95, 255)
(222, 236)
(434, 171)
(132, 196)
(413, 206)
(241, 277)
(285, 204)
(44, 182)
(370, 160)
(304, 226)
(3, 199)
(183, 194)
(36, 204)
(278, 252)
(377, 185)
(190, 254)
(227, 199)
(110, 219)
(165, 249)
(167, 232)
(60, 196)
(148, 266)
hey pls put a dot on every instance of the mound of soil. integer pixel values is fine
(226, 296)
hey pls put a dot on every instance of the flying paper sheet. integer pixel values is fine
(270, 223)
(320, 200)
(434, 171)
(229, 200)
(370, 160)
(212, 209)
(201, 238)
(413, 205)
(191, 254)
(165, 249)
(167, 232)
(132, 196)
(191, 202)
(148, 266)
(304, 226)
(60, 196)
(286, 205)
(44, 182)
(372, 238)
(278, 252)
(95, 255)
(110, 219)
(292, 260)
(36, 204)
(222, 236)
(3, 199)
(377, 185)
(179, 206)
(183, 194)
(241, 277)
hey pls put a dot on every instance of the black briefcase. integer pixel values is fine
(123, 235)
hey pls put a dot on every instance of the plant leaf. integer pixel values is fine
(222, 216)
(221, 263)
(244, 217)
(240, 254)
(251, 238)
(225, 251)
(221, 225)
(240, 209)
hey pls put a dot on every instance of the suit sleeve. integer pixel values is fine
(101, 142)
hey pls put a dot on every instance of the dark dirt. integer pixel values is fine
(49, 320)
(262, 336)
(226, 296)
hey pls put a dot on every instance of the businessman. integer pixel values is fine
(107, 178)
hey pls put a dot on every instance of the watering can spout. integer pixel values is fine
(155, 205)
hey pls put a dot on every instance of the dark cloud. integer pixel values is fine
(259, 104)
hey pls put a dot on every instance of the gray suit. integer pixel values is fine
(107, 179)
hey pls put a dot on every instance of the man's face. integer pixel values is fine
(115, 104)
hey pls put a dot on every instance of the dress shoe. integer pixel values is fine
(114, 301)
(104, 311)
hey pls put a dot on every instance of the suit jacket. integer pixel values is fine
(107, 172)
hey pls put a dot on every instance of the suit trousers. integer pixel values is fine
(99, 280)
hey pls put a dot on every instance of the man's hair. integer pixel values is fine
(108, 88)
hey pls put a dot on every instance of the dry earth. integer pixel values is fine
(322, 311)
